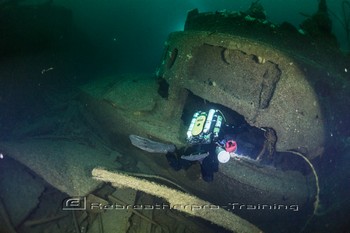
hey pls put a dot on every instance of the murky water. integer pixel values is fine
(64, 64)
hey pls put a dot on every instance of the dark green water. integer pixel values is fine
(48, 49)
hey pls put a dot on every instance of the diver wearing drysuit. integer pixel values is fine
(210, 142)
(204, 154)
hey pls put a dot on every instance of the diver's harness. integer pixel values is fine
(205, 128)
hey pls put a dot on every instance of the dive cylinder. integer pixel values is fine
(194, 118)
(204, 127)
(217, 126)
(199, 124)
(209, 121)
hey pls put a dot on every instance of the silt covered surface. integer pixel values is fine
(236, 180)
(261, 83)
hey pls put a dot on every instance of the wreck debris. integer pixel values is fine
(265, 93)
(319, 26)
(256, 11)
(269, 145)
(31, 223)
(317, 196)
(276, 184)
(220, 217)
(117, 200)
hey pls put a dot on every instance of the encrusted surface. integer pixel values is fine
(267, 86)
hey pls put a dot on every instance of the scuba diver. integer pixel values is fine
(210, 142)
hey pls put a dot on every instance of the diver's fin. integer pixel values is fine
(195, 156)
(151, 146)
